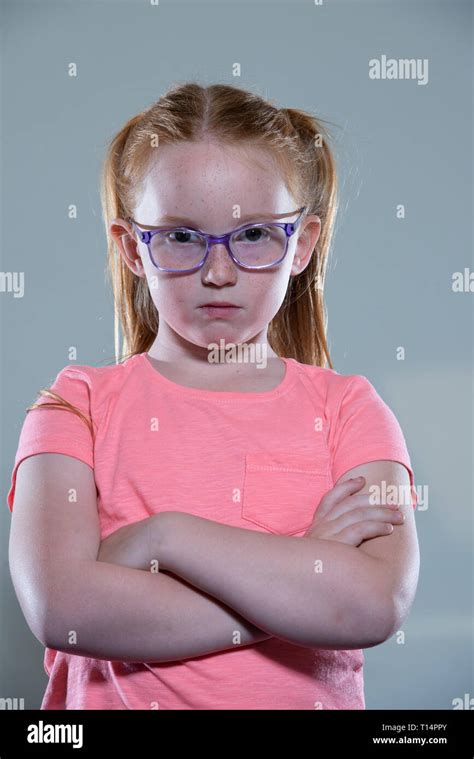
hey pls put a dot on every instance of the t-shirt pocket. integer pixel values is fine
(282, 490)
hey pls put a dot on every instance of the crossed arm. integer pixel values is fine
(230, 586)
(307, 591)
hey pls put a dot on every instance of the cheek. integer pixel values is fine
(169, 297)
(266, 295)
(166, 290)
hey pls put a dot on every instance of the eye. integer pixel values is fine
(253, 234)
(183, 236)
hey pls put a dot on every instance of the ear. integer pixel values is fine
(125, 239)
(308, 236)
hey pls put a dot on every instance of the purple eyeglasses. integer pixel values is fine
(267, 251)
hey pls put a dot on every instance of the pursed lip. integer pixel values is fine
(220, 304)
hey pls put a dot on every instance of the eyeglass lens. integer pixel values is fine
(183, 249)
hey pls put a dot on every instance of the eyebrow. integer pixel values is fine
(168, 219)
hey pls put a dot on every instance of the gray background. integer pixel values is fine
(389, 280)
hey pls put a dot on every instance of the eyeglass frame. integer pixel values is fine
(145, 236)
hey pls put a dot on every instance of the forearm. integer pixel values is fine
(310, 592)
(125, 614)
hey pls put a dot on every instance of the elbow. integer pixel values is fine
(46, 616)
(362, 623)
(388, 621)
(69, 610)
(33, 603)
(60, 626)
(46, 624)
(374, 621)
(43, 624)
(49, 599)
(390, 614)
(43, 635)
(51, 633)
(387, 608)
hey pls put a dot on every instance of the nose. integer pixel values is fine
(219, 267)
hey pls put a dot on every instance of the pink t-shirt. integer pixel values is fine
(259, 460)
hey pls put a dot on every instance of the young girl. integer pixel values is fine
(187, 531)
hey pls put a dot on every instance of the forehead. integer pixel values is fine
(206, 180)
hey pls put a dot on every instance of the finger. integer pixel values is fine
(356, 533)
(349, 514)
(370, 514)
(366, 499)
(356, 500)
(339, 492)
(369, 499)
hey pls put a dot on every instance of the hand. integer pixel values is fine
(350, 518)
(134, 545)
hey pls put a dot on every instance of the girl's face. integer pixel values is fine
(203, 183)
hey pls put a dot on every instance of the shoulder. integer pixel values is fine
(87, 385)
(361, 426)
(97, 374)
(335, 387)
(347, 399)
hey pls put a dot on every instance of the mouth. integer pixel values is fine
(219, 304)
(219, 308)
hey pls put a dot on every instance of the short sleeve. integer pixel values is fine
(366, 429)
(58, 430)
